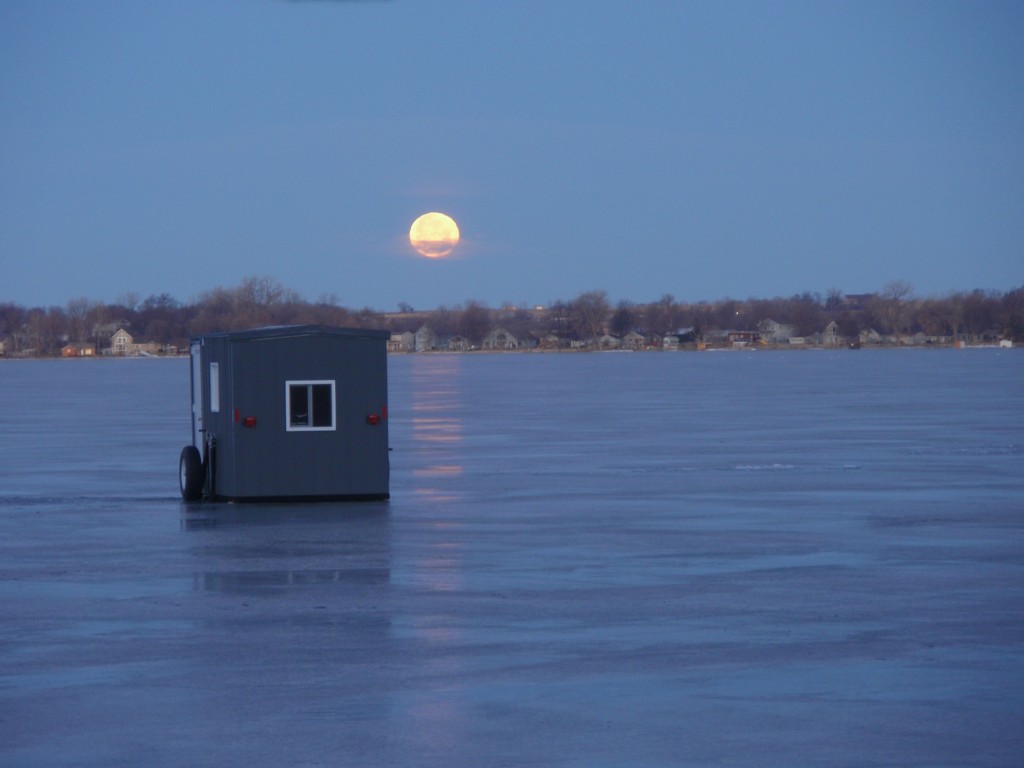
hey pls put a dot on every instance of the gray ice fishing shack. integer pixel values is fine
(288, 413)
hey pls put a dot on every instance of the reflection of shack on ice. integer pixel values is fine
(288, 413)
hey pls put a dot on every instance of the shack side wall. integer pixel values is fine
(267, 460)
(217, 424)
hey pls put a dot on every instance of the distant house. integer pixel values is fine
(607, 341)
(123, 345)
(773, 332)
(402, 342)
(499, 338)
(633, 340)
(742, 338)
(526, 341)
(121, 342)
(552, 340)
(679, 338)
(459, 344)
(715, 338)
(424, 339)
(78, 350)
(870, 336)
(831, 337)
(443, 341)
(3, 346)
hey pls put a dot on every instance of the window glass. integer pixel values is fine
(309, 405)
(299, 402)
(321, 396)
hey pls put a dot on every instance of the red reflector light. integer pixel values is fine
(373, 418)
(250, 421)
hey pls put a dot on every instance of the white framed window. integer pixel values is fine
(309, 406)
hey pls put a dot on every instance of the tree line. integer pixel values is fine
(259, 301)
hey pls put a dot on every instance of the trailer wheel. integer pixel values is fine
(190, 473)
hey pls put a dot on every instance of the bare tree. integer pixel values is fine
(1012, 314)
(12, 324)
(129, 299)
(261, 299)
(980, 313)
(806, 314)
(44, 328)
(932, 315)
(893, 297)
(474, 322)
(663, 315)
(214, 311)
(833, 300)
(559, 316)
(443, 320)
(728, 313)
(78, 311)
(588, 313)
(328, 300)
(623, 319)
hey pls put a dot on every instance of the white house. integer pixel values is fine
(870, 336)
(425, 340)
(121, 342)
(773, 332)
(633, 340)
(831, 337)
(459, 344)
(499, 338)
(402, 342)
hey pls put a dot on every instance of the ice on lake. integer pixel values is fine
(746, 558)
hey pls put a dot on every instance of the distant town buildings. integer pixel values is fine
(160, 325)
(770, 335)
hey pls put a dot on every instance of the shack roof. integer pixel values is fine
(292, 331)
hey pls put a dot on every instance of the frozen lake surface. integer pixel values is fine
(703, 559)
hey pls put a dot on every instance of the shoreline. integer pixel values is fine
(477, 352)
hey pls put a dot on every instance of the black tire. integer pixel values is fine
(190, 473)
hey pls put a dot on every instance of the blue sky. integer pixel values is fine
(704, 149)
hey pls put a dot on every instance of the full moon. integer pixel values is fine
(434, 235)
